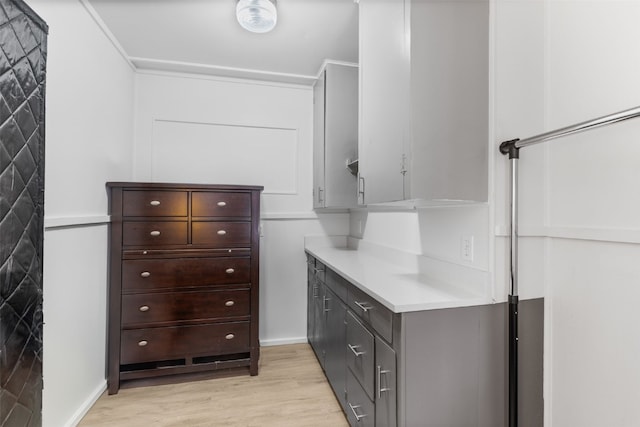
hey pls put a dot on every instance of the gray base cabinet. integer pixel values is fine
(434, 368)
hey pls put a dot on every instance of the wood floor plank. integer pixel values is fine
(290, 390)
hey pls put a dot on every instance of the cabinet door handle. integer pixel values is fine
(222, 232)
(230, 270)
(145, 274)
(229, 303)
(222, 204)
(144, 308)
(320, 198)
(229, 336)
(315, 291)
(155, 203)
(380, 372)
(361, 189)
(355, 414)
(154, 233)
(354, 349)
(362, 306)
(142, 343)
(324, 304)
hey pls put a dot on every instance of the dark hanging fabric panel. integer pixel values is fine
(23, 42)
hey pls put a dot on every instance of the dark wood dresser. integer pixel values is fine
(183, 279)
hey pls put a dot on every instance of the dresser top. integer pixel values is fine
(181, 186)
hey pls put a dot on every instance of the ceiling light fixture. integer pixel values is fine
(257, 16)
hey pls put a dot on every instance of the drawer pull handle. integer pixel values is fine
(145, 274)
(142, 343)
(144, 308)
(155, 203)
(230, 336)
(221, 232)
(380, 372)
(364, 307)
(353, 409)
(230, 270)
(154, 233)
(229, 303)
(354, 349)
(222, 204)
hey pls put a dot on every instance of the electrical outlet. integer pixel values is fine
(466, 248)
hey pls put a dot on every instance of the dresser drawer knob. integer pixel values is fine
(221, 204)
(155, 233)
(230, 336)
(142, 343)
(222, 232)
(155, 203)
(145, 274)
(229, 303)
(144, 308)
(230, 271)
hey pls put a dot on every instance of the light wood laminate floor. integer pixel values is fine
(290, 390)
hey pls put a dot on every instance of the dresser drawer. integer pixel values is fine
(152, 344)
(154, 233)
(221, 234)
(150, 274)
(184, 306)
(372, 312)
(360, 353)
(220, 204)
(154, 203)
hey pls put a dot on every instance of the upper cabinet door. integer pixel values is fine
(335, 140)
(318, 142)
(384, 100)
(341, 134)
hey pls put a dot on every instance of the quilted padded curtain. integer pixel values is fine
(23, 40)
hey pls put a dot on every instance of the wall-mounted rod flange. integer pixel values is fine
(509, 147)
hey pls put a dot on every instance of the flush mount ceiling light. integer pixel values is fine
(257, 16)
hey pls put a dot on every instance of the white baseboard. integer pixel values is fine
(86, 405)
(283, 341)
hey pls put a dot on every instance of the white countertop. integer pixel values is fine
(401, 282)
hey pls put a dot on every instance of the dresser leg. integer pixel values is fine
(255, 357)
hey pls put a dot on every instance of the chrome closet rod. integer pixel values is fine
(569, 130)
(512, 148)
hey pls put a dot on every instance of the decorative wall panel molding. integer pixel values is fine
(223, 153)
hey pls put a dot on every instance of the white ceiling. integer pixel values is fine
(203, 36)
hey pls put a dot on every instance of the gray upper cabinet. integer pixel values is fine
(335, 139)
(424, 101)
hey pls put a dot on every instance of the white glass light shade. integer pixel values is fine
(257, 16)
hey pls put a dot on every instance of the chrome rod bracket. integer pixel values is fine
(509, 147)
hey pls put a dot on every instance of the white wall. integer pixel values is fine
(593, 194)
(89, 132)
(199, 129)
(559, 63)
